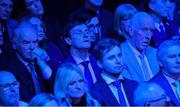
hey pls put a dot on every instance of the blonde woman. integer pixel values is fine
(70, 87)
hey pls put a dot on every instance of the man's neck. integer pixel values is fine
(79, 53)
(173, 76)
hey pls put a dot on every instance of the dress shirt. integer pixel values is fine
(79, 63)
(109, 81)
(137, 54)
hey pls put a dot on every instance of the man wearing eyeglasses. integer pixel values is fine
(77, 36)
(9, 90)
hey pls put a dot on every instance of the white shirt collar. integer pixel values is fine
(108, 79)
(79, 60)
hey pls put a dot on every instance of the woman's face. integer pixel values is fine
(76, 87)
(34, 7)
(40, 27)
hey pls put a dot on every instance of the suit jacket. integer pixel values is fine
(134, 70)
(171, 29)
(27, 90)
(161, 80)
(104, 95)
(94, 65)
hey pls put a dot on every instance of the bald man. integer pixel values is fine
(9, 90)
(151, 94)
(137, 55)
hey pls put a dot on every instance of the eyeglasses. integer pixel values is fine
(91, 27)
(6, 87)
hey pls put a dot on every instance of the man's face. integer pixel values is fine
(157, 97)
(34, 7)
(94, 28)
(79, 37)
(5, 9)
(76, 87)
(9, 90)
(161, 7)
(112, 61)
(26, 43)
(40, 27)
(96, 2)
(170, 61)
(141, 34)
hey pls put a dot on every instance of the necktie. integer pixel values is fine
(34, 78)
(87, 73)
(177, 85)
(145, 70)
(117, 84)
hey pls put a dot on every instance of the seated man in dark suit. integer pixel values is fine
(165, 29)
(77, 37)
(169, 75)
(112, 89)
(27, 65)
(9, 90)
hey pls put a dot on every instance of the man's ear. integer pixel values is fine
(160, 63)
(130, 31)
(68, 40)
(151, 6)
(99, 63)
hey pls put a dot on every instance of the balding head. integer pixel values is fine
(141, 30)
(149, 94)
(9, 89)
(141, 18)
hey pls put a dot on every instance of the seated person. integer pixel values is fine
(43, 99)
(9, 90)
(122, 17)
(77, 37)
(150, 94)
(112, 89)
(70, 87)
(168, 77)
(29, 68)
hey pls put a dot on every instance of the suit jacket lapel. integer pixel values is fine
(165, 85)
(131, 60)
(107, 93)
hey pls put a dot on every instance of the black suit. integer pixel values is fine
(104, 95)
(27, 90)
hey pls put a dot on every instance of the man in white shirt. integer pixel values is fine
(112, 89)
(137, 55)
(169, 75)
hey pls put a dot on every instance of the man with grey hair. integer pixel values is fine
(150, 94)
(137, 55)
(169, 76)
(27, 64)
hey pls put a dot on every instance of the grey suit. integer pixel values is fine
(134, 70)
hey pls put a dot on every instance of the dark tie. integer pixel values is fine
(34, 78)
(87, 73)
(145, 69)
(117, 84)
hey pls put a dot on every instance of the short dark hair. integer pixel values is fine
(69, 26)
(83, 14)
(104, 46)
